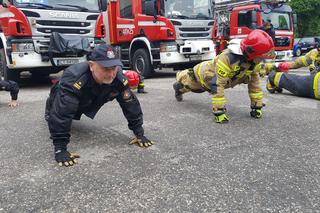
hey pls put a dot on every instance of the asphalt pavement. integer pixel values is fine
(196, 165)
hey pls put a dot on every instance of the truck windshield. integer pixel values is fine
(187, 9)
(76, 5)
(279, 20)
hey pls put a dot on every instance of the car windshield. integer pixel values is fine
(308, 40)
(187, 9)
(279, 20)
(76, 5)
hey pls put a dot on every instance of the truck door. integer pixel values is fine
(242, 23)
(146, 22)
(125, 21)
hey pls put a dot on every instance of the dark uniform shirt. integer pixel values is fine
(77, 93)
(10, 86)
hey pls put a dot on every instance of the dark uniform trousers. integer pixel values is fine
(304, 86)
(77, 93)
(11, 87)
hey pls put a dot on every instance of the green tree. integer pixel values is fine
(308, 12)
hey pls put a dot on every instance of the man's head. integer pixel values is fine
(267, 24)
(258, 45)
(103, 64)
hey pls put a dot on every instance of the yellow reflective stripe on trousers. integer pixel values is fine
(218, 100)
(316, 85)
(256, 95)
(277, 78)
(199, 71)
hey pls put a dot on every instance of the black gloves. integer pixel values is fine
(65, 158)
(141, 141)
(256, 113)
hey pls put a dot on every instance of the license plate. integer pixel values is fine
(62, 62)
(195, 57)
(304, 48)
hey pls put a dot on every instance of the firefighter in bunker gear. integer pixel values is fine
(233, 66)
(141, 84)
(83, 89)
(133, 78)
(303, 86)
(13, 88)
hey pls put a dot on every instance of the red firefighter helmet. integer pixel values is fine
(258, 44)
(133, 78)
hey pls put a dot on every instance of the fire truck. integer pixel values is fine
(234, 19)
(150, 34)
(30, 27)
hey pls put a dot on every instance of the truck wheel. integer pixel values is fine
(6, 73)
(142, 63)
(298, 52)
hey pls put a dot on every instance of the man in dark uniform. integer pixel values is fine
(83, 89)
(13, 88)
(268, 28)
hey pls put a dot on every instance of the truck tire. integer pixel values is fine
(141, 62)
(298, 52)
(6, 73)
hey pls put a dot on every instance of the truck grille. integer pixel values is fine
(193, 32)
(63, 23)
(282, 42)
(65, 27)
(63, 30)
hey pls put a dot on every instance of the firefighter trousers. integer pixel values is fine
(298, 85)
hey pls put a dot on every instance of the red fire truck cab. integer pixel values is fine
(153, 34)
(236, 19)
(28, 28)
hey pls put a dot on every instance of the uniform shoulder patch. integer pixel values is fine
(126, 95)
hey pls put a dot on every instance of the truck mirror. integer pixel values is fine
(103, 5)
(295, 18)
(151, 8)
(254, 18)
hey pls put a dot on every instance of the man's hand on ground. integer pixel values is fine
(141, 141)
(65, 158)
(13, 103)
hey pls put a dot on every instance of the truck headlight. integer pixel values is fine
(22, 47)
(171, 48)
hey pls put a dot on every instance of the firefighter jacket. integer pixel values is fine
(10, 86)
(77, 93)
(311, 59)
(225, 71)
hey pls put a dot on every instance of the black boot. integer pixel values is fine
(141, 90)
(177, 86)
